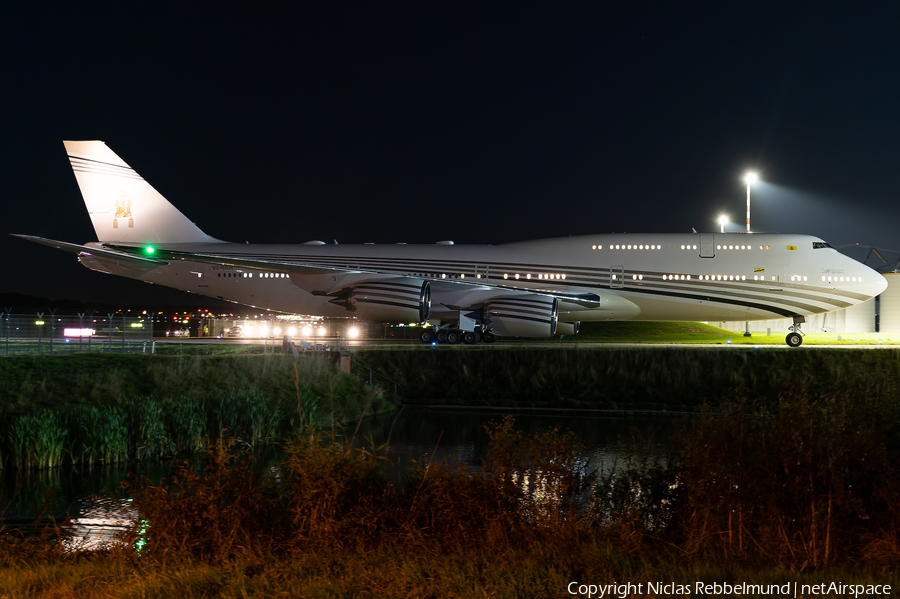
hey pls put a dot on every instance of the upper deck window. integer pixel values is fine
(818, 245)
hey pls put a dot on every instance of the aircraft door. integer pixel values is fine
(707, 246)
(200, 271)
(616, 276)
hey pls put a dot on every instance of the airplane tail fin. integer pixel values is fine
(124, 208)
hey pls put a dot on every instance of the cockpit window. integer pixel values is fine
(818, 245)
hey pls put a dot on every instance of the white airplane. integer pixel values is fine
(468, 293)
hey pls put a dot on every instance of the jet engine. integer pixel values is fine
(388, 300)
(522, 315)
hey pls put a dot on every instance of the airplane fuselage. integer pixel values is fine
(671, 277)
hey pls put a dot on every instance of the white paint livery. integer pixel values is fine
(530, 289)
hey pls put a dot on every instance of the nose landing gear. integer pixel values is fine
(795, 337)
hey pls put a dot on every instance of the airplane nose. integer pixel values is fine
(879, 285)
(873, 282)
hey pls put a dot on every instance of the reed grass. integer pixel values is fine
(185, 423)
(36, 440)
(30, 383)
(117, 410)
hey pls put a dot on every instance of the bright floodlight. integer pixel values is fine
(354, 332)
(723, 220)
(751, 177)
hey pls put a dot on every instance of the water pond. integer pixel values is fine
(91, 497)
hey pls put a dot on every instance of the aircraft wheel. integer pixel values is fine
(470, 338)
(794, 339)
(488, 337)
(426, 336)
(441, 336)
(453, 337)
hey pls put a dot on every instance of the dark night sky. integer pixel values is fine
(367, 122)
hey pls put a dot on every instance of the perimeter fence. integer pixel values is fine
(49, 333)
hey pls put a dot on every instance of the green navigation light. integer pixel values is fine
(149, 249)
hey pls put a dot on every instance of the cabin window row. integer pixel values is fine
(629, 247)
(685, 246)
(540, 276)
(249, 275)
(843, 279)
(711, 278)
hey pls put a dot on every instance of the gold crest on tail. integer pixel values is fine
(123, 210)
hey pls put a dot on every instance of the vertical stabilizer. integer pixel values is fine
(123, 207)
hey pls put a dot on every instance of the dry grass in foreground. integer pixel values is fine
(804, 492)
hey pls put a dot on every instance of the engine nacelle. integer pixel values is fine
(391, 300)
(523, 315)
(567, 328)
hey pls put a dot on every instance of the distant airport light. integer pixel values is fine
(723, 220)
(306, 331)
(78, 332)
(353, 332)
(39, 322)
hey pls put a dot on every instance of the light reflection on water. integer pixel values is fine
(91, 496)
(463, 439)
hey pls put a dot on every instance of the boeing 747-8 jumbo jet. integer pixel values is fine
(469, 293)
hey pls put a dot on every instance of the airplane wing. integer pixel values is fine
(261, 264)
(268, 264)
(120, 257)
(132, 257)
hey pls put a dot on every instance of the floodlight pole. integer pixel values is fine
(748, 206)
(750, 178)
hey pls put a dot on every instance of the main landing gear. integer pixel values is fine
(795, 337)
(453, 336)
